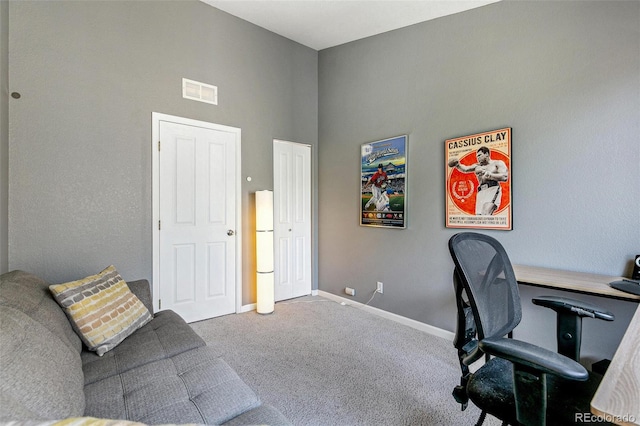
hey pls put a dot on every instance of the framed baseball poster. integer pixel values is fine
(478, 181)
(383, 174)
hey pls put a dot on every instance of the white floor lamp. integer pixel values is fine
(264, 252)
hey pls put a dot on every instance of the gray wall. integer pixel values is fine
(90, 75)
(563, 75)
(4, 134)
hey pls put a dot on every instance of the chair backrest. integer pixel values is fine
(483, 267)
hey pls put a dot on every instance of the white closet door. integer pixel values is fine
(292, 219)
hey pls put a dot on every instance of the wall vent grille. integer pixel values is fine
(198, 91)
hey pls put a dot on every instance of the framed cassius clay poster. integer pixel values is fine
(478, 181)
(383, 175)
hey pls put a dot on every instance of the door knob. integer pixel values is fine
(230, 232)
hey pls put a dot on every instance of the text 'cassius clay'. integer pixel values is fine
(478, 140)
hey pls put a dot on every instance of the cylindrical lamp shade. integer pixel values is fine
(264, 211)
(264, 252)
(264, 247)
(266, 303)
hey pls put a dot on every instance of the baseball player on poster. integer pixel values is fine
(378, 183)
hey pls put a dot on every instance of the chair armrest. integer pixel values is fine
(142, 290)
(535, 357)
(572, 306)
(471, 352)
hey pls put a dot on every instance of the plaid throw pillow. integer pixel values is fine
(102, 309)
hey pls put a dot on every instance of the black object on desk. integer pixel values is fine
(628, 286)
(636, 269)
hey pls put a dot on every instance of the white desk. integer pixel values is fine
(579, 282)
(618, 397)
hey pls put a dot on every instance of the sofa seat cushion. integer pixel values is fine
(102, 309)
(165, 336)
(191, 387)
(262, 415)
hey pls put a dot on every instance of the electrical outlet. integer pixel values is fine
(350, 291)
(379, 287)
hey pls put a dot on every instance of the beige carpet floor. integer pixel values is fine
(323, 363)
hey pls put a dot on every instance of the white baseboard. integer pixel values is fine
(247, 308)
(252, 306)
(439, 332)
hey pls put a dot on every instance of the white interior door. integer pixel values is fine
(292, 219)
(196, 239)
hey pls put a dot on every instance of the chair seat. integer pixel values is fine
(491, 389)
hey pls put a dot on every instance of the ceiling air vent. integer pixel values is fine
(197, 91)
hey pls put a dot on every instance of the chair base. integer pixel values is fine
(491, 390)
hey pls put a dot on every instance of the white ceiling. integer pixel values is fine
(320, 24)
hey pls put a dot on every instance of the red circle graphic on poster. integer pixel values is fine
(463, 187)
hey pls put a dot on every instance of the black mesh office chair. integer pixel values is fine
(520, 383)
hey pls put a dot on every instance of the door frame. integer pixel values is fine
(156, 118)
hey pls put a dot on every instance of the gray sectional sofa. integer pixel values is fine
(163, 373)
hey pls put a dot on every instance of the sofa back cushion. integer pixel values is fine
(30, 294)
(41, 376)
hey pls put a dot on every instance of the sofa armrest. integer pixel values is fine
(142, 290)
